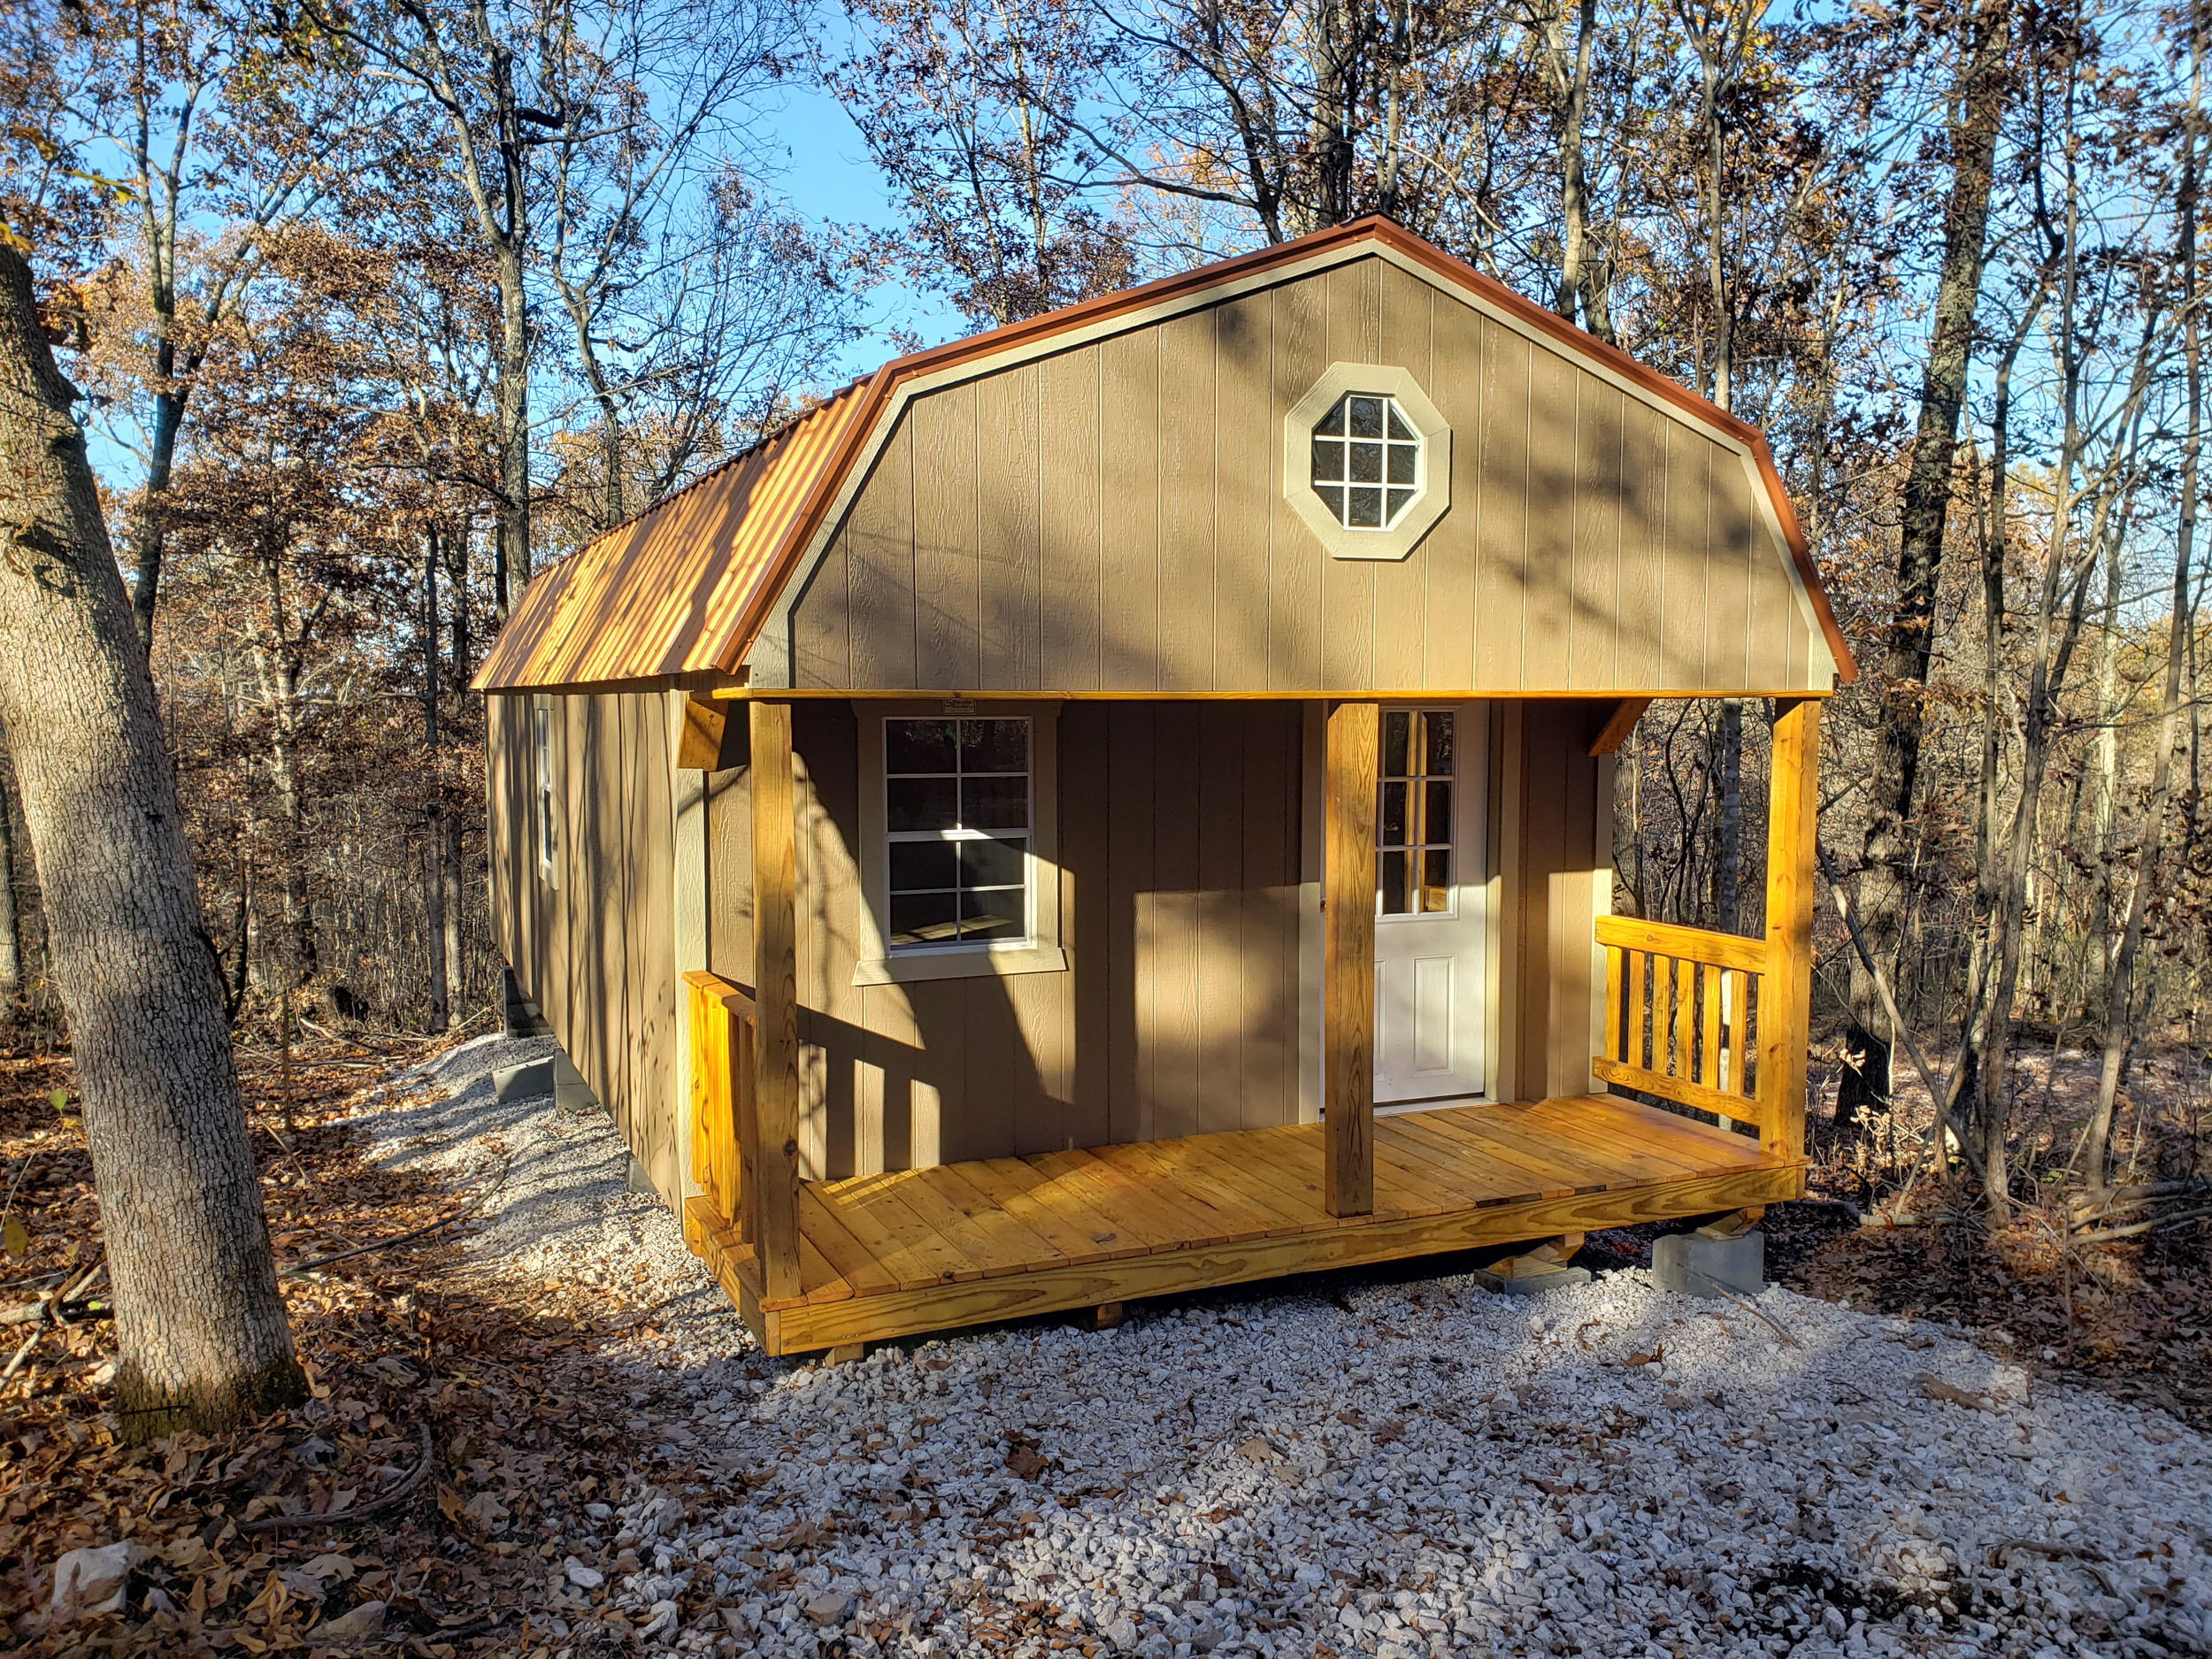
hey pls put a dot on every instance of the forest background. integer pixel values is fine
(378, 307)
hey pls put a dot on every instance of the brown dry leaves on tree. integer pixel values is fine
(508, 1388)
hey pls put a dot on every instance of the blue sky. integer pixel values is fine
(828, 177)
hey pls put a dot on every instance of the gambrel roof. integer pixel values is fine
(709, 582)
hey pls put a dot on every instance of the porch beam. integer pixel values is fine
(1786, 999)
(771, 1162)
(1618, 726)
(1353, 744)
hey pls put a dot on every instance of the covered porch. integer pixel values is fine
(1690, 1024)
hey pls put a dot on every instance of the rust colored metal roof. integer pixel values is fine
(663, 593)
(687, 587)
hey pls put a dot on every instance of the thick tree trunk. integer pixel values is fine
(198, 1318)
(1904, 671)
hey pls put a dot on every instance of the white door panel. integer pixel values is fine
(1430, 868)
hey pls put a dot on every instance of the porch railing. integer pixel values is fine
(1682, 1010)
(722, 1032)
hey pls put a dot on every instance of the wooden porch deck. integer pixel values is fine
(917, 1250)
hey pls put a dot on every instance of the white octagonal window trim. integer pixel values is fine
(1367, 461)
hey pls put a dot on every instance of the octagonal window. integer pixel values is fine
(1366, 461)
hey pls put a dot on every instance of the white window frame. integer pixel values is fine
(1039, 951)
(1434, 495)
(545, 797)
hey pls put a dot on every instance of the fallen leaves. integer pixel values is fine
(407, 1505)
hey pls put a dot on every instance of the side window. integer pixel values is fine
(957, 823)
(548, 803)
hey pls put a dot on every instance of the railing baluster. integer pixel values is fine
(1614, 1044)
(1681, 1005)
(1710, 1067)
(1647, 1018)
(1685, 1008)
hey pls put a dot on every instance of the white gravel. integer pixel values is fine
(1354, 1465)
(563, 1210)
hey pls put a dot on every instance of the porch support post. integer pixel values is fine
(771, 1162)
(1787, 998)
(1348, 979)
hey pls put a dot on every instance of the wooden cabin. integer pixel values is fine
(1123, 803)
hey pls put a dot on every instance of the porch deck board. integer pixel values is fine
(915, 1250)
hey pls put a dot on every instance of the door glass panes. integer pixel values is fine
(1413, 828)
(956, 799)
(1366, 461)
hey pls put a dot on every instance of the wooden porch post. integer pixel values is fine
(1348, 979)
(1785, 1000)
(771, 1162)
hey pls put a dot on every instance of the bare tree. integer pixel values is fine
(2121, 985)
(1984, 83)
(212, 121)
(667, 85)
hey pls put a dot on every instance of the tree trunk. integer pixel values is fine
(2120, 989)
(1582, 282)
(433, 880)
(512, 517)
(449, 910)
(456, 569)
(1728, 860)
(1904, 670)
(150, 533)
(199, 1323)
(299, 902)
(241, 940)
(434, 925)
(11, 929)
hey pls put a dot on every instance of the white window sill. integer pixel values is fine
(989, 962)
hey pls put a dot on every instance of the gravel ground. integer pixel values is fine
(1352, 1464)
(561, 1209)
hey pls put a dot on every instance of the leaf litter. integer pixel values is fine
(452, 1415)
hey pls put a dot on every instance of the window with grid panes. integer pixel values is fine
(1413, 838)
(1366, 461)
(956, 814)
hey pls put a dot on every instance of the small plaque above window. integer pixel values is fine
(1367, 461)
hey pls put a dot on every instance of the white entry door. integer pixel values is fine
(1431, 872)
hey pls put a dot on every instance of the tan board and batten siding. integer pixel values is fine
(1109, 517)
(1178, 895)
(1182, 856)
(595, 947)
